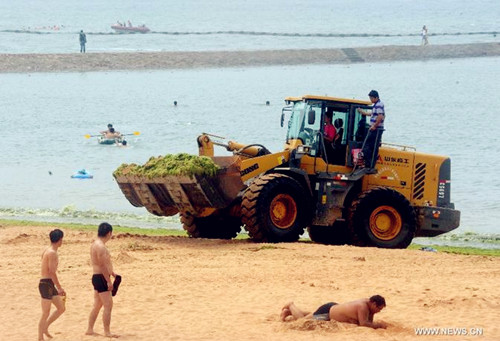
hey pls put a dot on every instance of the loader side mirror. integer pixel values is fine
(311, 117)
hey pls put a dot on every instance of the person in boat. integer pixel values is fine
(129, 23)
(112, 134)
(107, 130)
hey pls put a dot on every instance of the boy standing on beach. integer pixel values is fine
(101, 280)
(49, 287)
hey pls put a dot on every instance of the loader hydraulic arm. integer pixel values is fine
(206, 144)
(255, 166)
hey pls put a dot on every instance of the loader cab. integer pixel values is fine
(307, 122)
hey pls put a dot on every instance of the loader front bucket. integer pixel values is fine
(167, 195)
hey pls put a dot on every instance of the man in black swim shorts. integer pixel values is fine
(359, 312)
(49, 286)
(101, 280)
(99, 283)
(323, 312)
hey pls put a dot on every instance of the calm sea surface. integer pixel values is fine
(27, 26)
(445, 106)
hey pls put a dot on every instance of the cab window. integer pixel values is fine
(312, 126)
(360, 127)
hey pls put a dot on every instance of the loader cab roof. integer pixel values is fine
(290, 100)
(327, 99)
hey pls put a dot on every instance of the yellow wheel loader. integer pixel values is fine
(311, 185)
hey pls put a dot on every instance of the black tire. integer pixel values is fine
(274, 209)
(216, 226)
(382, 217)
(338, 234)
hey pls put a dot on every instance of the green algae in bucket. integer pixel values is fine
(170, 164)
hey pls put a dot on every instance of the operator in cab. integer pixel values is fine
(329, 135)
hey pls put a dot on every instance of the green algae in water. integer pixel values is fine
(171, 164)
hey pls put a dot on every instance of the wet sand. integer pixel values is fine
(76, 62)
(176, 288)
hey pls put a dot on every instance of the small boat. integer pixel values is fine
(82, 174)
(130, 29)
(103, 140)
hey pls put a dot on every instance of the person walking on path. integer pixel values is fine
(101, 280)
(374, 136)
(83, 41)
(425, 40)
(49, 286)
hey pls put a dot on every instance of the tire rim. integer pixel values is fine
(385, 222)
(283, 211)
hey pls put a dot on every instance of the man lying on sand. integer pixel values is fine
(359, 312)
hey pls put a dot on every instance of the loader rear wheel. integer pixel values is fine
(382, 217)
(216, 226)
(274, 209)
(338, 234)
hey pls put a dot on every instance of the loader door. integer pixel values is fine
(314, 126)
(340, 113)
(356, 132)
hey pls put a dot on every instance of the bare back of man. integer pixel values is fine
(110, 135)
(358, 312)
(102, 270)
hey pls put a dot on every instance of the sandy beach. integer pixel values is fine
(76, 62)
(176, 288)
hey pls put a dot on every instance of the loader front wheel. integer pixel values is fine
(382, 217)
(274, 209)
(216, 226)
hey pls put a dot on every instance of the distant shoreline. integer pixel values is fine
(76, 62)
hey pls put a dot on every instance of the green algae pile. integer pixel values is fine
(178, 164)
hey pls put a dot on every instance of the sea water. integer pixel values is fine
(446, 107)
(50, 26)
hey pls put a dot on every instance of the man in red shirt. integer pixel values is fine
(329, 133)
(330, 130)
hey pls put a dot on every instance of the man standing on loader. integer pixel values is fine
(374, 136)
